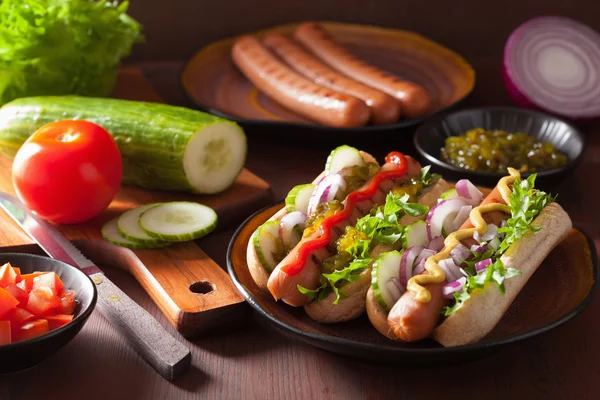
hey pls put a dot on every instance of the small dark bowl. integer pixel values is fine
(430, 138)
(22, 355)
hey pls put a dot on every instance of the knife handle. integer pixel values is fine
(161, 350)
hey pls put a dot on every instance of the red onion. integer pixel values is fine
(478, 248)
(553, 63)
(454, 287)
(461, 217)
(436, 244)
(469, 193)
(490, 233)
(439, 213)
(419, 267)
(482, 265)
(460, 253)
(477, 237)
(326, 190)
(494, 243)
(287, 224)
(407, 262)
(395, 288)
(450, 269)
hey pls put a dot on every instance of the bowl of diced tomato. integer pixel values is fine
(44, 303)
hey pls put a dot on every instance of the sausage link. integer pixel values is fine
(384, 108)
(414, 99)
(295, 92)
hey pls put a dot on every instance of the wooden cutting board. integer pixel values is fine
(194, 293)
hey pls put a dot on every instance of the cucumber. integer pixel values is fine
(178, 221)
(385, 279)
(298, 198)
(449, 194)
(343, 157)
(162, 146)
(129, 227)
(110, 233)
(267, 244)
(416, 234)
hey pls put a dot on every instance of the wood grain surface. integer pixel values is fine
(256, 363)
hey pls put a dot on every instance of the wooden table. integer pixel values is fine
(257, 363)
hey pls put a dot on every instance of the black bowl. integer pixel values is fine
(22, 355)
(430, 138)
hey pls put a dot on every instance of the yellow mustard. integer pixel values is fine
(436, 274)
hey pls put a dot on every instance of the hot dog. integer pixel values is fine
(414, 99)
(303, 276)
(497, 263)
(295, 92)
(384, 108)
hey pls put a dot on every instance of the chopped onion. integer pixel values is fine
(450, 269)
(439, 213)
(454, 287)
(436, 244)
(494, 243)
(419, 267)
(482, 265)
(477, 237)
(326, 190)
(461, 217)
(406, 263)
(394, 288)
(288, 234)
(492, 232)
(476, 248)
(553, 63)
(469, 193)
(460, 253)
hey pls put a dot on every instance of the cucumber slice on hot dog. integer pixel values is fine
(298, 198)
(267, 244)
(385, 279)
(416, 234)
(343, 157)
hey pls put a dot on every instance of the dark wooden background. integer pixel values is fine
(257, 363)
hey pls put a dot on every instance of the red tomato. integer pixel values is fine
(7, 302)
(67, 302)
(42, 301)
(7, 275)
(49, 280)
(33, 329)
(68, 171)
(58, 320)
(27, 281)
(5, 336)
(17, 293)
(18, 272)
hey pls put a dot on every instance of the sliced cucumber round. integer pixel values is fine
(385, 279)
(129, 227)
(298, 198)
(267, 244)
(416, 234)
(110, 233)
(343, 157)
(178, 221)
(449, 194)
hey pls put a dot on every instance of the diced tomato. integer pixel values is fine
(18, 272)
(17, 293)
(49, 280)
(27, 281)
(32, 329)
(67, 302)
(58, 320)
(5, 334)
(8, 275)
(41, 301)
(7, 302)
(18, 316)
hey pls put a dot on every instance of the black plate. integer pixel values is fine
(359, 339)
(430, 138)
(22, 355)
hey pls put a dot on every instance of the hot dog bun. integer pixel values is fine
(482, 312)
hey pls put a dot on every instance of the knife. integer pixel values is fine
(161, 350)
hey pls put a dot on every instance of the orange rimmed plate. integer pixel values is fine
(215, 85)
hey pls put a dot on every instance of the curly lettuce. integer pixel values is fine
(58, 47)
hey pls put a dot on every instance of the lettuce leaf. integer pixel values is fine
(58, 47)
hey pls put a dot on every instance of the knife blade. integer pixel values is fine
(161, 350)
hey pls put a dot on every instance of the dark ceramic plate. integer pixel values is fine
(430, 138)
(214, 84)
(22, 355)
(572, 266)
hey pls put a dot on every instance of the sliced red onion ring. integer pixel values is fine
(494, 243)
(439, 213)
(468, 191)
(450, 269)
(419, 267)
(454, 287)
(460, 253)
(461, 217)
(326, 190)
(436, 244)
(551, 63)
(476, 248)
(407, 262)
(492, 232)
(395, 288)
(482, 265)
(288, 234)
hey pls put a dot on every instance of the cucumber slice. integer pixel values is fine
(416, 234)
(267, 244)
(178, 221)
(129, 227)
(298, 198)
(110, 233)
(343, 157)
(385, 279)
(449, 194)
